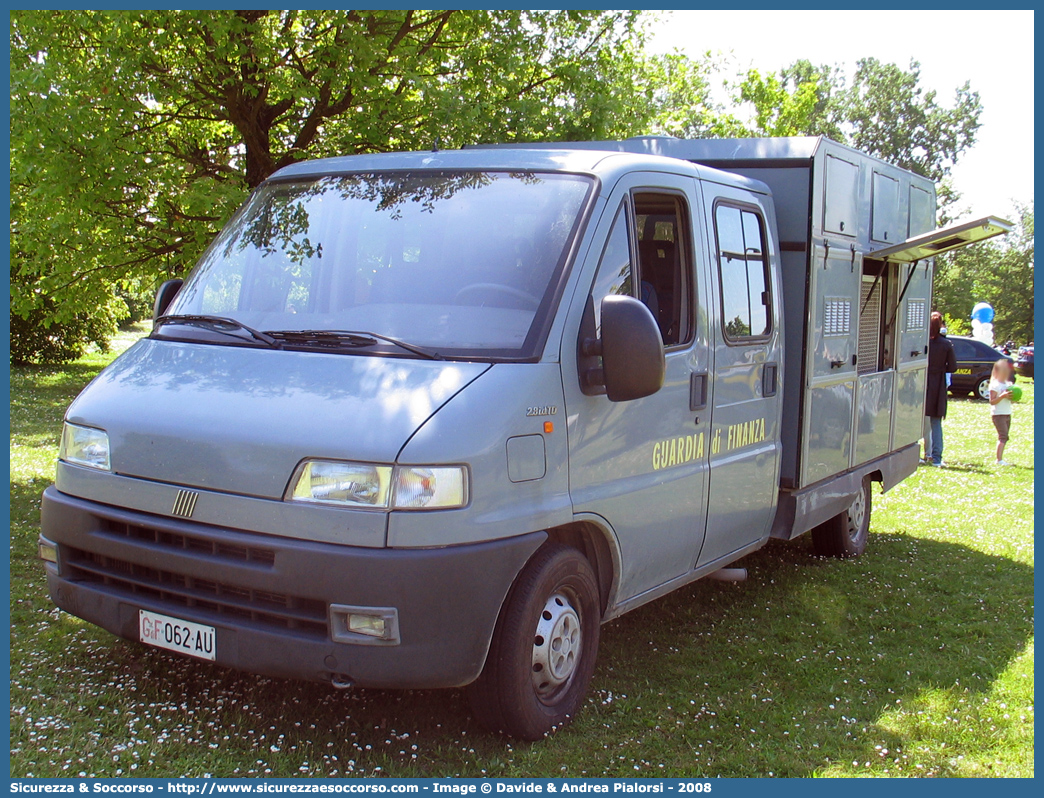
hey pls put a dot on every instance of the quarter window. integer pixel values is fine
(743, 272)
(614, 270)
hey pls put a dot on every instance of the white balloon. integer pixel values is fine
(980, 333)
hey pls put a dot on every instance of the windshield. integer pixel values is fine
(465, 263)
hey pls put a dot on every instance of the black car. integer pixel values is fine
(974, 365)
(1024, 362)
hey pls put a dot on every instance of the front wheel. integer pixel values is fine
(847, 533)
(543, 650)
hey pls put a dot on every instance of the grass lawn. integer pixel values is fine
(914, 660)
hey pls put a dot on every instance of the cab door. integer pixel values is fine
(745, 440)
(641, 465)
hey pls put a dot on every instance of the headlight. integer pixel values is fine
(350, 484)
(430, 487)
(84, 446)
(379, 487)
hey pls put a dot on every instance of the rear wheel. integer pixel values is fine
(543, 650)
(847, 533)
(982, 389)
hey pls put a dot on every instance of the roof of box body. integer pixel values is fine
(793, 148)
(606, 165)
(722, 153)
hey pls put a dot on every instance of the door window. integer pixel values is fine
(743, 273)
(661, 276)
(660, 222)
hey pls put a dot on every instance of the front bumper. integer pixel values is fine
(269, 597)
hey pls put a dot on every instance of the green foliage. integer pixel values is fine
(999, 272)
(737, 328)
(827, 84)
(892, 117)
(884, 111)
(39, 339)
(678, 90)
(779, 111)
(134, 135)
(956, 325)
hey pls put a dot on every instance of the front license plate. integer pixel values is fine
(174, 634)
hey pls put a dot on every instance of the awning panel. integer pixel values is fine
(945, 239)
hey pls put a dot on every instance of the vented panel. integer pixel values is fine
(837, 316)
(869, 326)
(916, 314)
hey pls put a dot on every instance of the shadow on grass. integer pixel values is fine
(784, 673)
(822, 650)
(966, 468)
(990, 468)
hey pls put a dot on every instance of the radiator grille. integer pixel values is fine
(175, 540)
(262, 608)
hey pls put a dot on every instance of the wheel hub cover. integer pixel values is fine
(556, 645)
(856, 514)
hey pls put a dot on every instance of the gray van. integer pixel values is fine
(429, 419)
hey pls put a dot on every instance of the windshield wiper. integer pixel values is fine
(219, 324)
(340, 338)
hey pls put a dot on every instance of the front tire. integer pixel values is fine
(847, 533)
(544, 647)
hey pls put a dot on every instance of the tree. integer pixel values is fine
(997, 272)
(884, 112)
(135, 134)
(679, 89)
(781, 110)
(892, 117)
(824, 117)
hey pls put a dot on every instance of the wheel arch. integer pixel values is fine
(594, 538)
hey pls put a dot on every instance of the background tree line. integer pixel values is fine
(1000, 272)
(134, 135)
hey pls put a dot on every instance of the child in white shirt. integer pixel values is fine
(1000, 404)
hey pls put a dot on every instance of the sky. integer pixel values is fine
(991, 49)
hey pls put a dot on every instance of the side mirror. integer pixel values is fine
(633, 364)
(164, 295)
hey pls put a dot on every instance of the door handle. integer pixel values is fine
(768, 379)
(698, 391)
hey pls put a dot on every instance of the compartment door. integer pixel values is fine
(911, 325)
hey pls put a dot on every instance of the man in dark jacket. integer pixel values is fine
(941, 361)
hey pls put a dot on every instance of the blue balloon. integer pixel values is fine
(982, 312)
